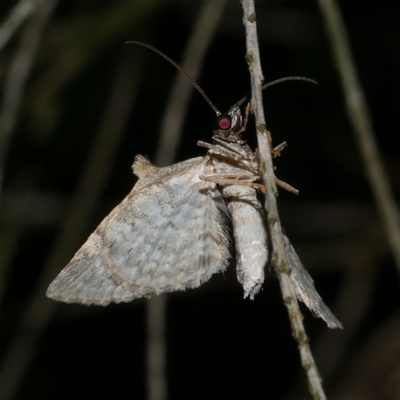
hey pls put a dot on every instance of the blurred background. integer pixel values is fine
(77, 105)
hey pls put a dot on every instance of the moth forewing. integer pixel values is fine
(170, 233)
(305, 288)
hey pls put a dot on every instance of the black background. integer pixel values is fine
(219, 346)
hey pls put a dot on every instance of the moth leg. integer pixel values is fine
(224, 150)
(241, 159)
(276, 151)
(286, 186)
(217, 149)
(243, 151)
(226, 180)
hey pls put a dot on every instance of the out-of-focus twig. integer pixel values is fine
(14, 86)
(374, 373)
(197, 45)
(18, 74)
(279, 258)
(94, 177)
(156, 351)
(171, 128)
(351, 304)
(17, 16)
(360, 118)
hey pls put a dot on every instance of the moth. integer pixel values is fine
(171, 232)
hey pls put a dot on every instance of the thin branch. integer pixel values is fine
(361, 120)
(279, 258)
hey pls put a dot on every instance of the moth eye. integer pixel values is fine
(224, 122)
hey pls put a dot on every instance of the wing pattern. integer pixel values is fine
(170, 233)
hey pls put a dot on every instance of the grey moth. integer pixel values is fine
(171, 232)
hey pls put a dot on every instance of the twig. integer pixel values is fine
(279, 258)
(360, 118)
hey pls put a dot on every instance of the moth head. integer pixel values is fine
(228, 126)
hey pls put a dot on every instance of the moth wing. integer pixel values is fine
(170, 233)
(305, 289)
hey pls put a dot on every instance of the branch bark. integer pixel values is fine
(279, 257)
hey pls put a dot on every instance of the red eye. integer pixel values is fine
(224, 122)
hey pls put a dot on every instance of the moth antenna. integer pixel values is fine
(201, 91)
(288, 78)
(181, 70)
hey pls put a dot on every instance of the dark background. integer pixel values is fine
(219, 345)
